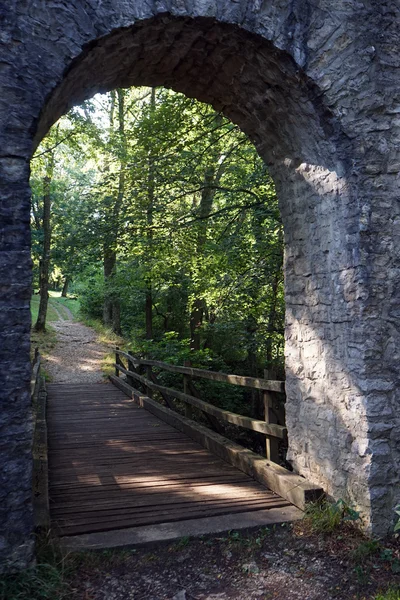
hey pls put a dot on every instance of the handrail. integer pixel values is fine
(247, 422)
(35, 372)
(272, 431)
(250, 382)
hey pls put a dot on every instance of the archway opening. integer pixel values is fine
(264, 92)
(159, 216)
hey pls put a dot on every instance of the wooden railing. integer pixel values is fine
(35, 373)
(41, 511)
(141, 370)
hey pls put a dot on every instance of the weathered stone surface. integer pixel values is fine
(315, 86)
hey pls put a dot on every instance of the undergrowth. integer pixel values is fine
(47, 580)
(326, 517)
(391, 594)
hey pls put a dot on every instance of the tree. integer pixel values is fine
(168, 211)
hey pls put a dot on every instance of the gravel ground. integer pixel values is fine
(279, 563)
(77, 356)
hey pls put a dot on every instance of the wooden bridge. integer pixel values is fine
(121, 465)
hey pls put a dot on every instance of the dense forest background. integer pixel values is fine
(157, 213)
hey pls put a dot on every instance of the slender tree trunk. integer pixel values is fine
(149, 220)
(212, 176)
(64, 292)
(44, 268)
(112, 308)
(271, 326)
(196, 321)
(149, 312)
(109, 263)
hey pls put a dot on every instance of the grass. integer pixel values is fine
(47, 580)
(104, 560)
(50, 578)
(42, 582)
(71, 303)
(180, 544)
(326, 517)
(391, 594)
(51, 313)
(44, 340)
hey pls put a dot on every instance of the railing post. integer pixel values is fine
(131, 367)
(149, 373)
(116, 361)
(186, 390)
(271, 444)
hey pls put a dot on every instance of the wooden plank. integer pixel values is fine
(65, 529)
(138, 478)
(285, 483)
(156, 499)
(255, 425)
(251, 382)
(111, 488)
(114, 465)
(151, 512)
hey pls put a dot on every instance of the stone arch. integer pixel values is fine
(286, 76)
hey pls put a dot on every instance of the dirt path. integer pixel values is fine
(77, 356)
(275, 563)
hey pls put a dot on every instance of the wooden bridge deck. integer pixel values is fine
(113, 465)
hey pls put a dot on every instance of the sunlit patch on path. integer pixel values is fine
(77, 356)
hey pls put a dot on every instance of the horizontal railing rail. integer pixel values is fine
(272, 431)
(250, 382)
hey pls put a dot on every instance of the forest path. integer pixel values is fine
(63, 312)
(77, 355)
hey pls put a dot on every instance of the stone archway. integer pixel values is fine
(313, 87)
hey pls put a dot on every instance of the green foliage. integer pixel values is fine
(390, 594)
(173, 350)
(181, 544)
(365, 550)
(91, 294)
(397, 511)
(45, 581)
(326, 517)
(178, 201)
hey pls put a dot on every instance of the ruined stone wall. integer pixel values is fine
(314, 85)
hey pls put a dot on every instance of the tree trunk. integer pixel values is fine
(64, 292)
(112, 308)
(212, 176)
(272, 317)
(149, 235)
(109, 263)
(44, 268)
(149, 312)
(196, 321)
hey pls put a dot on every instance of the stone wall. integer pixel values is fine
(314, 85)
